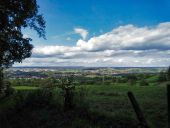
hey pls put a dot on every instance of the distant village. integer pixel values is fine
(45, 72)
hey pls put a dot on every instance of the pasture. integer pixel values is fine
(108, 105)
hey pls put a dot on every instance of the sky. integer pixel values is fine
(97, 33)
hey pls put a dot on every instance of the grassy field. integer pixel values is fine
(111, 104)
(25, 87)
(113, 100)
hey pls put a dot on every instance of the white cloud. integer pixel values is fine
(124, 46)
(130, 37)
(83, 32)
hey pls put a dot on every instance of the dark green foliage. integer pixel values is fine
(66, 83)
(5, 86)
(168, 73)
(108, 106)
(2, 91)
(131, 79)
(143, 83)
(8, 89)
(34, 109)
(37, 98)
(14, 47)
(47, 82)
(14, 16)
(162, 76)
(80, 101)
(120, 79)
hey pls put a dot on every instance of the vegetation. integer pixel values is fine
(168, 74)
(14, 47)
(100, 101)
(95, 106)
(85, 101)
(5, 86)
(84, 105)
(16, 15)
(66, 83)
(130, 79)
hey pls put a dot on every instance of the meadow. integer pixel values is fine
(101, 106)
(113, 100)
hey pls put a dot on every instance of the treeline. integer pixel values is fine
(129, 79)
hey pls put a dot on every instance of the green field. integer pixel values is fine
(108, 104)
(113, 100)
(25, 87)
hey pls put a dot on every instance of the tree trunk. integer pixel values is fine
(2, 93)
(68, 100)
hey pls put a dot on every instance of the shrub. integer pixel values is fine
(162, 77)
(8, 89)
(143, 83)
(5, 85)
(80, 99)
(168, 73)
(37, 98)
(66, 83)
(2, 88)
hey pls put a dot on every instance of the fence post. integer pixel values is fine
(168, 99)
(139, 114)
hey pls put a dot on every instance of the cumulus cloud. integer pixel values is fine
(130, 37)
(127, 45)
(83, 32)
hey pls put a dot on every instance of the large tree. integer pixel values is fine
(15, 15)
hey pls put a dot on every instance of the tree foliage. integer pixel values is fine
(5, 86)
(15, 15)
(168, 73)
(162, 76)
(143, 82)
(67, 84)
(2, 92)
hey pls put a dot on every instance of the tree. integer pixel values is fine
(132, 79)
(168, 73)
(15, 15)
(67, 84)
(162, 76)
(143, 82)
(2, 89)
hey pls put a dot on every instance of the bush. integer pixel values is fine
(8, 89)
(5, 86)
(168, 73)
(67, 85)
(162, 77)
(143, 83)
(37, 98)
(2, 88)
(80, 99)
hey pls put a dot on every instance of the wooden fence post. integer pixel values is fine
(139, 114)
(168, 99)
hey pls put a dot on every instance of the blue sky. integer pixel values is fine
(78, 29)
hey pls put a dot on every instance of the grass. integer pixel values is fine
(113, 100)
(108, 104)
(25, 87)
